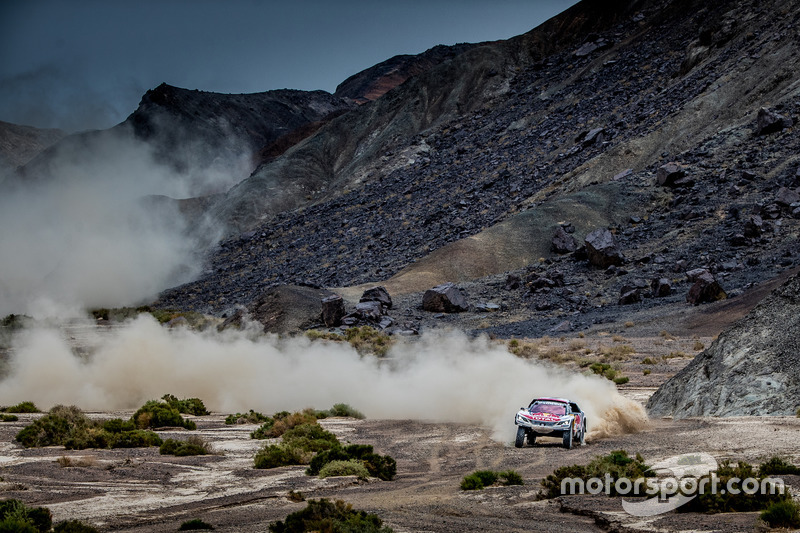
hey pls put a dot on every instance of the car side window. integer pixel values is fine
(575, 408)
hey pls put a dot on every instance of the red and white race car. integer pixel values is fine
(551, 417)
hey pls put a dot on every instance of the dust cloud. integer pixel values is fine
(438, 377)
(78, 230)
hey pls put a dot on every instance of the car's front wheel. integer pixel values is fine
(566, 441)
(520, 440)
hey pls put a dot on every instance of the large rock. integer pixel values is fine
(769, 121)
(705, 289)
(445, 298)
(753, 368)
(602, 249)
(332, 310)
(377, 294)
(670, 174)
(563, 242)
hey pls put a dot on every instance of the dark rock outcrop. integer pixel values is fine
(769, 121)
(377, 294)
(602, 249)
(753, 368)
(563, 242)
(705, 288)
(332, 310)
(445, 298)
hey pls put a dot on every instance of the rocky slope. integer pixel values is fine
(19, 144)
(751, 369)
(466, 171)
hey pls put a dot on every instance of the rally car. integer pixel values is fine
(551, 417)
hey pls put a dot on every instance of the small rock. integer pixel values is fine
(562, 327)
(513, 282)
(754, 226)
(785, 197)
(670, 173)
(661, 287)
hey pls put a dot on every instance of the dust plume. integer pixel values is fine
(439, 377)
(76, 229)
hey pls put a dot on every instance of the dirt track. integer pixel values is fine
(139, 490)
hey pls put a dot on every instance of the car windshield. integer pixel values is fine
(553, 409)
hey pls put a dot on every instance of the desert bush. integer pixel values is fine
(23, 407)
(193, 524)
(486, 478)
(324, 515)
(8, 418)
(15, 516)
(478, 480)
(368, 340)
(380, 466)
(698, 346)
(118, 425)
(629, 324)
(777, 466)
(281, 422)
(576, 345)
(251, 417)
(55, 428)
(342, 409)
(194, 445)
(295, 496)
(137, 438)
(646, 372)
(276, 455)
(648, 361)
(617, 464)
(784, 514)
(621, 380)
(74, 526)
(708, 501)
(618, 352)
(155, 414)
(191, 406)
(310, 437)
(352, 467)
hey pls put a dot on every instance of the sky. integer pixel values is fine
(84, 64)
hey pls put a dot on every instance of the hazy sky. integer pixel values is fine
(86, 63)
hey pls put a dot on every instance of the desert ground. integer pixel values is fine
(139, 490)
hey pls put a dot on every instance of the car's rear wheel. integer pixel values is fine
(520, 440)
(583, 433)
(566, 441)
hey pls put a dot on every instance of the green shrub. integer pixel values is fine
(279, 423)
(617, 464)
(511, 478)
(137, 438)
(14, 513)
(310, 437)
(155, 414)
(777, 466)
(380, 466)
(784, 513)
(182, 448)
(195, 523)
(326, 516)
(352, 467)
(708, 501)
(24, 407)
(621, 380)
(252, 417)
(55, 428)
(118, 425)
(8, 418)
(191, 406)
(74, 526)
(648, 361)
(342, 409)
(276, 455)
(478, 480)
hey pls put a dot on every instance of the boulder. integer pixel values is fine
(602, 249)
(705, 289)
(670, 174)
(445, 298)
(753, 227)
(661, 287)
(563, 242)
(377, 294)
(369, 311)
(631, 296)
(512, 282)
(785, 197)
(769, 121)
(751, 369)
(332, 311)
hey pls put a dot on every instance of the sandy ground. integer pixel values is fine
(141, 491)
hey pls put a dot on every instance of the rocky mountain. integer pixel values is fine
(751, 369)
(668, 125)
(19, 144)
